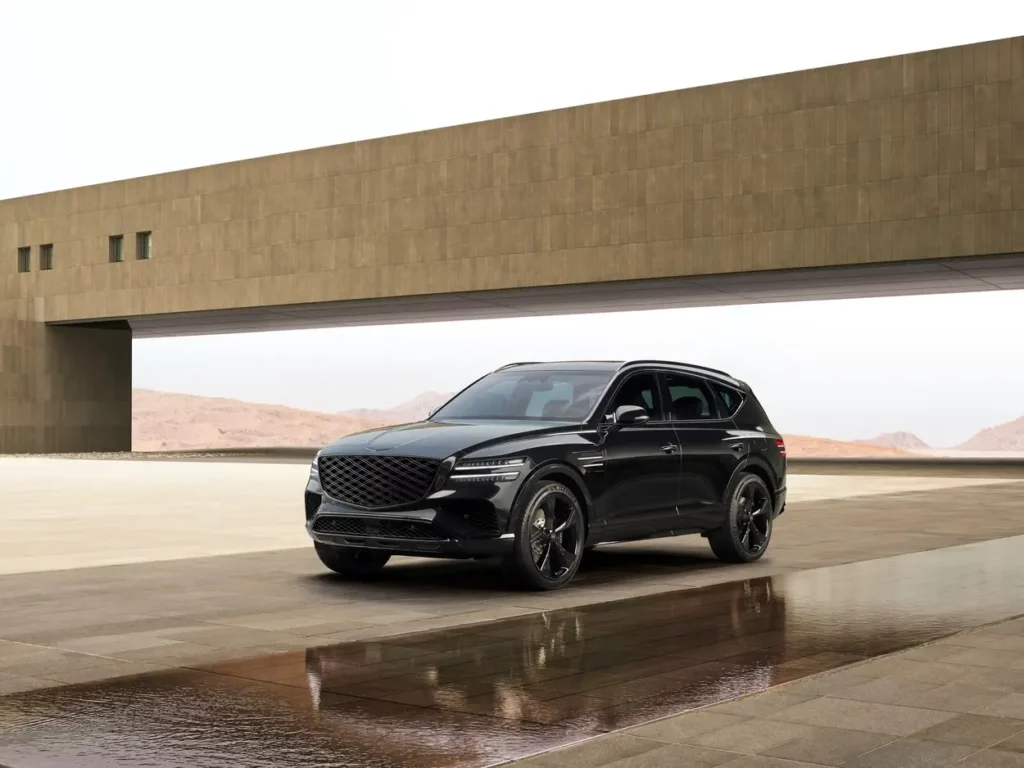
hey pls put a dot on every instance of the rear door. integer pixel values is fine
(710, 449)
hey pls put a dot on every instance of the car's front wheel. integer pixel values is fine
(549, 535)
(747, 530)
(351, 561)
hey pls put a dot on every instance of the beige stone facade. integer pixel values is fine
(905, 158)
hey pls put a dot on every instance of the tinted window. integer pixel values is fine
(730, 398)
(639, 389)
(537, 395)
(688, 398)
(144, 245)
(116, 248)
(550, 401)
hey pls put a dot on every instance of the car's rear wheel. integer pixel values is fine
(748, 524)
(549, 535)
(351, 561)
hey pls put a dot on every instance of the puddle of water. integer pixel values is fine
(479, 695)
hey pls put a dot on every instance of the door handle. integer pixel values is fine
(738, 447)
(669, 448)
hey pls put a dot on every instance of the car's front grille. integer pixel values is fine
(376, 527)
(375, 482)
(312, 503)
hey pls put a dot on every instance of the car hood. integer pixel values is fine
(438, 439)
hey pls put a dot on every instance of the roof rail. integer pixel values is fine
(681, 365)
(552, 362)
(513, 365)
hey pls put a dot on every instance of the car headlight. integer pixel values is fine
(488, 470)
(314, 468)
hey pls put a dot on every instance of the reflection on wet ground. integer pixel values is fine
(480, 695)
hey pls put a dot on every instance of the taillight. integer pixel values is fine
(781, 445)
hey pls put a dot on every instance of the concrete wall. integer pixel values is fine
(64, 389)
(910, 157)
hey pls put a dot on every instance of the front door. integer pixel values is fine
(641, 465)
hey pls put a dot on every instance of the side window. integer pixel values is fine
(689, 398)
(730, 398)
(639, 389)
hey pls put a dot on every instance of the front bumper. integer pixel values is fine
(452, 548)
(469, 524)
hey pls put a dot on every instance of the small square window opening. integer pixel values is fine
(144, 245)
(116, 249)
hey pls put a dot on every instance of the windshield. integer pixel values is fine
(539, 395)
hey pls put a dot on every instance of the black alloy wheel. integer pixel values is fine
(550, 532)
(748, 525)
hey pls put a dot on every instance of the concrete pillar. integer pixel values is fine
(64, 389)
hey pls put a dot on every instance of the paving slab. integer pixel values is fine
(193, 610)
(623, 683)
(866, 734)
(108, 512)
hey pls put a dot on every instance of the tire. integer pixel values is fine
(747, 531)
(351, 561)
(550, 529)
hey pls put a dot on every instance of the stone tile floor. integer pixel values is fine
(93, 623)
(954, 702)
(473, 696)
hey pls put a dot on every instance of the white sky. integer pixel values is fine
(103, 90)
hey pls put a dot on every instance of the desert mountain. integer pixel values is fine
(905, 441)
(411, 410)
(800, 446)
(166, 421)
(1003, 437)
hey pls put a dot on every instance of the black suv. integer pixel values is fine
(538, 462)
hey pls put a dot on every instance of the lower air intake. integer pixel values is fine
(375, 527)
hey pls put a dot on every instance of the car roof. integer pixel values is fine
(567, 365)
(613, 366)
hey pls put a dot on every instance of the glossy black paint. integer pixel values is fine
(665, 476)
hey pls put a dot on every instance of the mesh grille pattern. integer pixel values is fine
(374, 482)
(387, 529)
(483, 521)
(312, 504)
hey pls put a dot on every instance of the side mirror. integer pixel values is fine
(626, 415)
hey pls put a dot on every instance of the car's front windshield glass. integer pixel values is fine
(528, 395)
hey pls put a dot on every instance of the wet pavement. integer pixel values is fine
(89, 624)
(488, 693)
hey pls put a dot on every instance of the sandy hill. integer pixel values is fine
(166, 421)
(800, 446)
(409, 411)
(1003, 437)
(905, 441)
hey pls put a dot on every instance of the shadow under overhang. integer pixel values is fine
(904, 278)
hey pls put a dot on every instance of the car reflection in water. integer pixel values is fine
(484, 694)
(596, 667)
